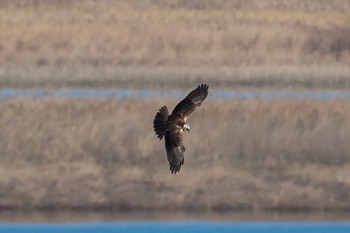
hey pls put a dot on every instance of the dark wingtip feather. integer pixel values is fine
(200, 93)
(175, 167)
(204, 89)
(195, 97)
(174, 155)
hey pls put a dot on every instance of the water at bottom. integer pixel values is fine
(178, 227)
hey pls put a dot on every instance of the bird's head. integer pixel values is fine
(186, 127)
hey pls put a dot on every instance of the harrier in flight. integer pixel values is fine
(171, 126)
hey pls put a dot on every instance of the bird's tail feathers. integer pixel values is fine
(160, 122)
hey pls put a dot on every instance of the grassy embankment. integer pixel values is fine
(133, 44)
(280, 155)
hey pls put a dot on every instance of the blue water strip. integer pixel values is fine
(147, 94)
(178, 227)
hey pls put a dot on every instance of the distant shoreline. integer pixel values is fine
(124, 208)
(108, 215)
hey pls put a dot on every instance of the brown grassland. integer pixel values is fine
(282, 155)
(107, 43)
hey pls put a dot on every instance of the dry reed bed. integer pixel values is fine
(200, 33)
(138, 44)
(240, 154)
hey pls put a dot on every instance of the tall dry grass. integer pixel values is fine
(239, 155)
(64, 40)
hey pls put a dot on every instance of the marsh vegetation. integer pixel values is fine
(147, 44)
(279, 154)
(240, 154)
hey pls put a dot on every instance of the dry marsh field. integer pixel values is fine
(89, 43)
(284, 155)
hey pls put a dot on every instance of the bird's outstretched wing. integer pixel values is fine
(192, 101)
(174, 150)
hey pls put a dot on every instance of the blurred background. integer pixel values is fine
(76, 154)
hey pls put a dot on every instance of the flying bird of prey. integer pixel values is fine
(171, 126)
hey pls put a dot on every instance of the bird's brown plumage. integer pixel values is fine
(171, 126)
